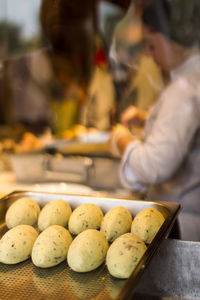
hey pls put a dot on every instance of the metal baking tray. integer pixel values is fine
(25, 281)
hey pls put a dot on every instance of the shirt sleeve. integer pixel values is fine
(157, 158)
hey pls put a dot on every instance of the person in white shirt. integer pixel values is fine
(165, 162)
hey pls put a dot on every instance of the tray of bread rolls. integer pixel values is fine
(61, 246)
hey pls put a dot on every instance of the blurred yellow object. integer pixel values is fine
(68, 134)
(75, 132)
(66, 115)
(29, 142)
(79, 130)
(119, 128)
(85, 148)
(8, 145)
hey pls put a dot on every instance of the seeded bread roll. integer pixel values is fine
(147, 223)
(85, 216)
(116, 222)
(22, 211)
(124, 254)
(87, 251)
(51, 247)
(56, 212)
(16, 244)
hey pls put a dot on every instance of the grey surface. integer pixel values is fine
(174, 271)
(92, 171)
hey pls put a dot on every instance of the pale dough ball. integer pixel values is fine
(116, 222)
(85, 216)
(56, 212)
(87, 251)
(124, 254)
(147, 223)
(23, 211)
(16, 244)
(51, 246)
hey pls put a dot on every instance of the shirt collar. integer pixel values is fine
(191, 65)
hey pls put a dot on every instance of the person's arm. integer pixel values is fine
(119, 140)
(157, 158)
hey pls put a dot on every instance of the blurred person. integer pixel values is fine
(165, 162)
(47, 87)
(138, 78)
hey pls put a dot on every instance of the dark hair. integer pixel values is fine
(62, 19)
(64, 24)
(178, 20)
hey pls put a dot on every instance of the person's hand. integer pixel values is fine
(133, 117)
(119, 139)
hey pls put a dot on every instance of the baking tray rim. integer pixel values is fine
(131, 283)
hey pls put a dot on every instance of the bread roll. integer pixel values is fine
(124, 254)
(116, 222)
(51, 247)
(87, 251)
(16, 244)
(22, 211)
(85, 216)
(56, 212)
(147, 223)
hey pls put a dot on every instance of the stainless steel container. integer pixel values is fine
(97, 172)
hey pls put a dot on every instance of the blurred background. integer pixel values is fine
(55, 57)
(67, 72)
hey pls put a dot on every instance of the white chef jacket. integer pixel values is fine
(167, 163)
